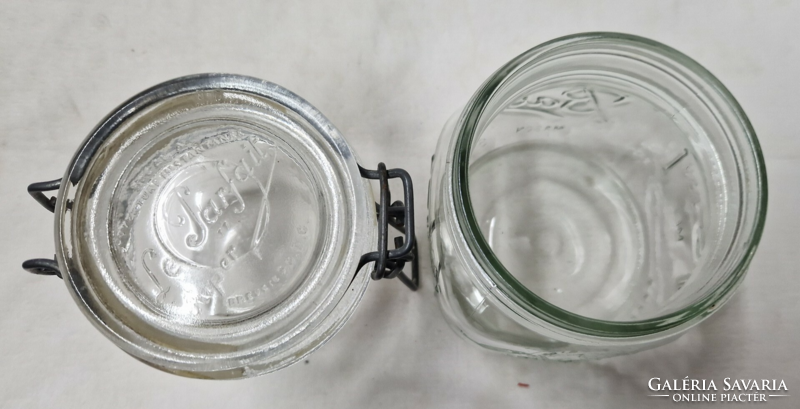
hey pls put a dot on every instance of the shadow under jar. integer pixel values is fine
(599, 195)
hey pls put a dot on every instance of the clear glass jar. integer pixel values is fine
(212, 226)
(600, 194)
(219, 226)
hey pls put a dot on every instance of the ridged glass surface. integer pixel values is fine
(214, 220)
(599, 195)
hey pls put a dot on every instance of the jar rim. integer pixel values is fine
(467, 130)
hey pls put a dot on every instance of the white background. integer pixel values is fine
(388, 74)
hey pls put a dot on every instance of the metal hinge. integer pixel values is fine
(43, 266)
(400, 215)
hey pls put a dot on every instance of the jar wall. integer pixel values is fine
(475, 309)
(599, 195)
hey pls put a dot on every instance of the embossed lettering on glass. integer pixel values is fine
(190, 220)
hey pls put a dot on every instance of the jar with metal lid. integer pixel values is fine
(600, 194)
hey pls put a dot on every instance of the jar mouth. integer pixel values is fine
(750, 178)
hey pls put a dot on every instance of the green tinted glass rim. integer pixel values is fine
(521, 295)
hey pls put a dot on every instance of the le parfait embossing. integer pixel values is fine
(210, 214)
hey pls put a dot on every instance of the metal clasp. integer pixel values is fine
(43, 266)
(400, 215)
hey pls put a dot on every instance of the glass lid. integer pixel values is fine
(213, 225)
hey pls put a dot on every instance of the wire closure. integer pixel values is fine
(43, 266)
(36, 191)
(389, 263)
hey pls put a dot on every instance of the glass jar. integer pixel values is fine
(600, 194)
(216, 226)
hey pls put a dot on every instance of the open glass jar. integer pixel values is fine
(600, 194)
